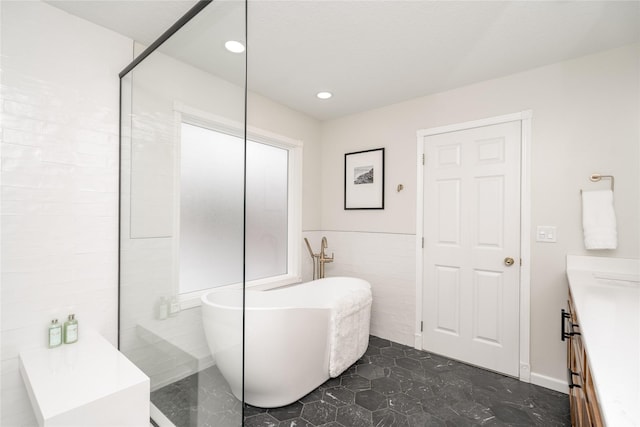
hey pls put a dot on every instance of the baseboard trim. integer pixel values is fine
(525, 372)
(550, 383)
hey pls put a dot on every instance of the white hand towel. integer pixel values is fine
(599, 220)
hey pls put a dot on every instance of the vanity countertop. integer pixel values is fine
(606, 294)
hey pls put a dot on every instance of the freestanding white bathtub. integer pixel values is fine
(295, 337)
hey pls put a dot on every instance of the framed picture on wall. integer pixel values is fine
(364, 179)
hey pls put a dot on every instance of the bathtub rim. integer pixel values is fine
(327, 303)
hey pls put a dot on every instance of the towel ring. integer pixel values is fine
(597, 177)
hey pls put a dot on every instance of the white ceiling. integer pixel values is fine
(371, 53)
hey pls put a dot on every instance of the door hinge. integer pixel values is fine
(423, 243)
(520, 261)
(423, 159)
(421, 326)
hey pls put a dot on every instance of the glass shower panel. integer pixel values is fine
(174, 210)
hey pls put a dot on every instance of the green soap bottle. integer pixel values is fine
(71, 330)
(55, 334)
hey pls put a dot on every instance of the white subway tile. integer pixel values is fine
(59, 182)
(387, 261)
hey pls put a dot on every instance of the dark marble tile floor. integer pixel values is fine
(392, 385)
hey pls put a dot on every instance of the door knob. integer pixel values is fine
(508, 261)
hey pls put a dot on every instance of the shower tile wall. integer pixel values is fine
(387, 261)
(59, 93)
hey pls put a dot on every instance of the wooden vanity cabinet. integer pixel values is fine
(583, 402)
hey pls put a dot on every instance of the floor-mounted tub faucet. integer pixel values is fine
(323, 258)
(319, 260)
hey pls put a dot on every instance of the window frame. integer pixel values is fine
(196, 117)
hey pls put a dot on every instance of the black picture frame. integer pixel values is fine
(364, 179)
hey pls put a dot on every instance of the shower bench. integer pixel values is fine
(86, 383)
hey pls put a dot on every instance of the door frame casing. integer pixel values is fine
(524, 117)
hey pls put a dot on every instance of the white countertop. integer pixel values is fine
(606, 293)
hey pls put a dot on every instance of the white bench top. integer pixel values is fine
(64, 378)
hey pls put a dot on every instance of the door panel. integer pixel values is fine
(487, 307)
(448, 212)
(489, 219)
(448, 291)
(471, 224)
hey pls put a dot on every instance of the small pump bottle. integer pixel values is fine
(71, 330)
(174, 307)
(55, 334)
(163, 308)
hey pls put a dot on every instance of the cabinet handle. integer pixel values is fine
(564, 334)
(573, 325)
(570, 375)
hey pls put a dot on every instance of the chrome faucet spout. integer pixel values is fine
(323, 246)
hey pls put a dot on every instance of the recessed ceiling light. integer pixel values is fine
(234, 46)
(324, 95)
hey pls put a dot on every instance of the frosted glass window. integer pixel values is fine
(211, 209)
(267, 209)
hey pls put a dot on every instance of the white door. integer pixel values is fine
(471, 234)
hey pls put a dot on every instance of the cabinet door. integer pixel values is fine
(576, 394)
(590, 393)
(580, 416)
(585, 411)
(574, 406)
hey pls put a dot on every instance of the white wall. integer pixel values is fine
(59, 182)
(585, 120)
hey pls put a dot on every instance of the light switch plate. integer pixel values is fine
(546, 233)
